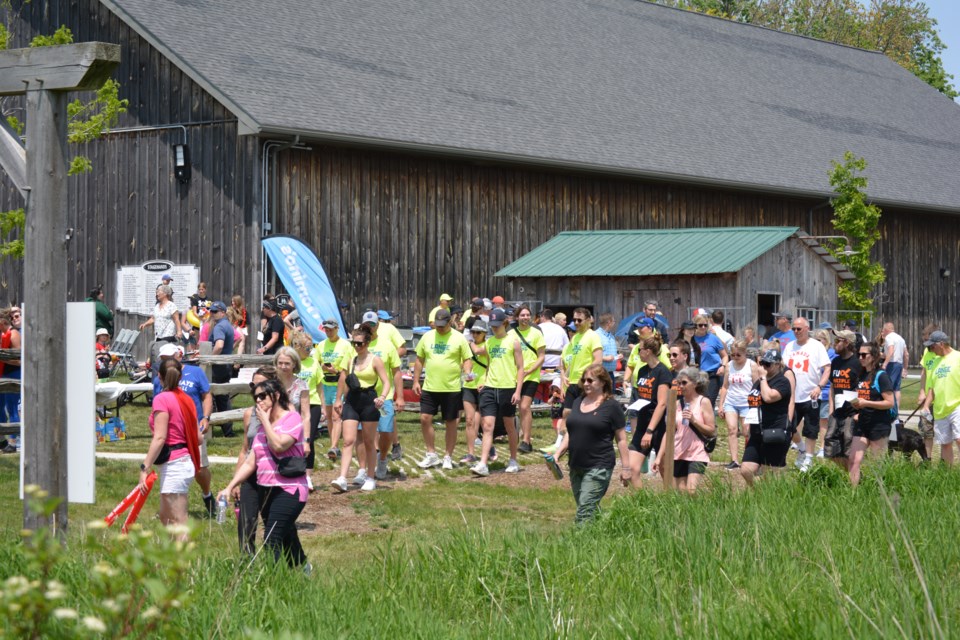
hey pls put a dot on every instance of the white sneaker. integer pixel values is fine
(795, 446)
(369, 485)
(381, 471)
(820, 453)
(807, 463)
(429, 460)
(447, 463)
(801, 456)
(512, 467)
(478, 442)
(360, 478)
(340, 485)
(480, 469)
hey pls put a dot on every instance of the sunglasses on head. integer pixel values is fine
(260, 396)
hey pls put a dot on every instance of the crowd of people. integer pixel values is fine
(827, 392)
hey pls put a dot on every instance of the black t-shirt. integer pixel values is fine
(773, 415)
(591, 434)
(274, 326)
(202, 305)
(871, 388)
(648, 383)
(844, 376)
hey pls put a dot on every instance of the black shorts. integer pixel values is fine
(472, 396)
(573, 392)
(496, 402)
(529, 388)
(358, 405)
(839, 437)
(683, 468)
(447, 403)
(771, 455)
(655, 442)
(872, 431)
(810, 415)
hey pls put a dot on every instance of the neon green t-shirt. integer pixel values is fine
(443, 357)
(503, 367)
(339, 354)
(928, 361)
(946, 385)
(384, 349)
(309, 368)
(433, 313)
(391, 333)
(534, 338)
(582, 346)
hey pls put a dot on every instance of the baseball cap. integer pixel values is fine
(487, 304)
(445, 296)
(847, 335)
(167, 277)
(480, 325)
(498, 317)
(935, 338)
(330, 323)
(783, 314)
(497, 300)
(850, 323)
(442, 318)
(370, 317)
(384, 315)
(770, 356)
(643, 322)
(170, 350)
(687, 324)
(267, 304)
(102, 332)
(825, 325)
(218, 306)
(369, 306)
(476, 302)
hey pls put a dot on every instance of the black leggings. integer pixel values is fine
(249, 514)
(316, 413)
(280, 511)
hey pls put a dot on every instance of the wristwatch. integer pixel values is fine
(143, 467)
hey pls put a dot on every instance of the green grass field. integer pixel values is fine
(802, 556)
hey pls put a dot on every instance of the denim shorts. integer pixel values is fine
(741, 410)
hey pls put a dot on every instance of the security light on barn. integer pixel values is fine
(181, 162)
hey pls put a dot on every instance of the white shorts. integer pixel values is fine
(177, 476)
(947, 430)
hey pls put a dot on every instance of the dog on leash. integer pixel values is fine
(908, 442)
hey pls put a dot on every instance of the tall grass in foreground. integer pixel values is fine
(799, 557)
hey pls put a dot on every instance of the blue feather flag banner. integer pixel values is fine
(305, 279)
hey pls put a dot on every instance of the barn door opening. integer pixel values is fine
(767, 305)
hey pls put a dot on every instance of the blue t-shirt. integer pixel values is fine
(785, 337)
(609, 343)
(710, 348)
(223, 330)
(193, 382)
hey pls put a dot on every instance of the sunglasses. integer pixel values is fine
(863, 355)
(674, 355)
(765, 364)
(702, 326)
(257, 397)
(683, 383)
(360, 343)
(590, 380)
(579, 320)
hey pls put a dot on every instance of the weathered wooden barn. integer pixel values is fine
(749, 272)
(422, 147)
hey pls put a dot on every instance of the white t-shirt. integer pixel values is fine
(899, 346)
(725, 337)
(556, 339)
(163, 326)
(807, 362)
(739, 383)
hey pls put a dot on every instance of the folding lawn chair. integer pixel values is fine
(122, 350)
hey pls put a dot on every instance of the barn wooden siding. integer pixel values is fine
(131, 208)
(401, 229)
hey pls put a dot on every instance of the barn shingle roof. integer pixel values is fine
(617, 86)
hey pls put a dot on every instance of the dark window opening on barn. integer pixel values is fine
(767, 305)
(568, 310)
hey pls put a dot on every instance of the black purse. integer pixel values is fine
(353, 382)
(709, 444)
(290, 466)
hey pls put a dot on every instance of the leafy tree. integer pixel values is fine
(901, 29)
(86, 121)
(858, 221)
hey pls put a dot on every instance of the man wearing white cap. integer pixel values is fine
(445, 300)
(193, 382)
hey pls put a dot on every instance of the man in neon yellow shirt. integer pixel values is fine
(534, 349)
(944, 394)
(331, 356)
(443, 354)
(386, 330)
(502, 389)
(445, 300)
(585, 348)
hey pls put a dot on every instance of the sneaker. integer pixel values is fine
(512, 466)
(396, 452)
(794, 446)
(493, 454)
(801, 456)
(333, 454)
(9, 449)
(340, 484)
(478, 442)
(807, 463)
(447, 463)
(480, 470)
(732, 466)
(468, 459)
(369, 485)
(525, 447)
(210, 504)
(381, 471)
(429, 460)
(360, 478)
(820, 453)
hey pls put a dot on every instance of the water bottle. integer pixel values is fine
(553, 466)
(222, 510)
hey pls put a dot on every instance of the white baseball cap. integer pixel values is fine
(170, 350)
(102, 332)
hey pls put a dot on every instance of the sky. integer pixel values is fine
(947, 14)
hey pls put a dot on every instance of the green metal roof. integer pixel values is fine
(647, 252)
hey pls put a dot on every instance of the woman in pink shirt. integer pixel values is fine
(694, 416)
(282, 498)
